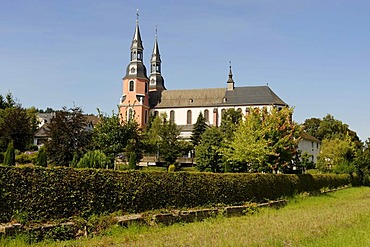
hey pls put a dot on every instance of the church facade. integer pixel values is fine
(144, 95)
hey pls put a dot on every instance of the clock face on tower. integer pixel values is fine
(152, 81)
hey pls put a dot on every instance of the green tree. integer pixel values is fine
(9, 156)
(249, 149)
(283, 135)
(41, 158)
(15, 125)
(208, 152)
(199, 128)
(336, 155)
(229, 122)
(68, 135)
(362, 163)
(94, 159)
(132, 161)
(311, 126)
(7, 102)
(113, 136)
(163, 138)
(264, 141)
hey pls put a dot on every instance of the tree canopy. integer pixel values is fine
(68, 135)
(16, 123)
(162, 137)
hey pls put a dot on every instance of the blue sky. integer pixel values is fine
(314, 54)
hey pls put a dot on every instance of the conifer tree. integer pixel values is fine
(9, 156)
(41, 158)
(199, 128)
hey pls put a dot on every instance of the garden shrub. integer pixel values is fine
(26, 158)
(9, 156)
(94, 159)
(41, 158)
(56, 193)
(171, 168)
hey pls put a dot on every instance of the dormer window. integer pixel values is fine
(191, 100)
(224, 99)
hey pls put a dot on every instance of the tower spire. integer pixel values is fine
(155, 78)
(230, 81)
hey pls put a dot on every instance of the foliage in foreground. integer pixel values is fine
(40, 193)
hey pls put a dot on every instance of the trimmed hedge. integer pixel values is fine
(38, 193)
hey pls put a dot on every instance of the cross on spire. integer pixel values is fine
(137, 14)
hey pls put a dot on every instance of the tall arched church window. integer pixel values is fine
(188, 117)
(172, 116)
(206, 115)
(146, 87)
(131, 86)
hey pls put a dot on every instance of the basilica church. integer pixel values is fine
(143, 95)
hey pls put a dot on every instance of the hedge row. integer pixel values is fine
(43, 193)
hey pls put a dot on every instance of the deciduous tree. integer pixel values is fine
(163, 138)
(68, 134)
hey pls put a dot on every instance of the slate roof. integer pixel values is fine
(252, 95)
(256, 95)
(191, 97)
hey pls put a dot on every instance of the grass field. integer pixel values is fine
(340, 218)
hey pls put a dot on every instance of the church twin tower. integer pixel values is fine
(137, 87)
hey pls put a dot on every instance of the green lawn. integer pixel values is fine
(340, 218)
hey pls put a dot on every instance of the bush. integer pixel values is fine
(132, 161)
(56, 193)
(9, 156)
(94, 159)
(171, 168)
(41, 158)
(26, 158)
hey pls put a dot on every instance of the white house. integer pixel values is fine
(310, 145)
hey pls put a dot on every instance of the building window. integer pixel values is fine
(317, 145)
(206, 115)
(130, 114)
(188, 117)
(146, 116)
(191, 100)
(131, 86)
(172, 116)
(146, 87)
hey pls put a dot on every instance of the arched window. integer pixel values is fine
(239, 110)
(206, 115)
(146, 87)
(131, 86)
(172, 116)
(188, 117)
